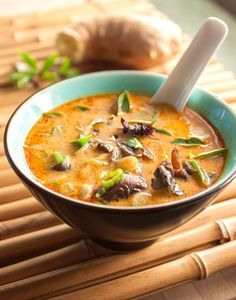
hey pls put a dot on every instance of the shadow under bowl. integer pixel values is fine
(120, 228)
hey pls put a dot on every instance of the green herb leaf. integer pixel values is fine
(212, 153)
(163, 130)
(82, 141)
(49, 62)
(71, 72)
(53, 114)
(49, 76)
(134, 143)
(204, 178)
(82, 108)
(192, 141)
(123, 103)
(23, 82)
(58, 157)
(97, 121)
(65, 65)
(29, 60)
(21, 79)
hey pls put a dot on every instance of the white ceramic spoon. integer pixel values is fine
(178, 86)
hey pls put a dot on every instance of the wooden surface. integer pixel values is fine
(37, 247)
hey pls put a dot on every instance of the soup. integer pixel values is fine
(118, 149)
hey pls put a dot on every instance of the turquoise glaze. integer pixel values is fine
(206, 104)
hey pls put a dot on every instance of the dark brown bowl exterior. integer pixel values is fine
(122, 229)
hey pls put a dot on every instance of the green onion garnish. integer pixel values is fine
(163, 130)
(212, 153)
(82, 141)
(204, 178)
(82, 107)
(192, 141)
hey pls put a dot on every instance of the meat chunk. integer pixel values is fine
(129, 185)
(179, 171)
(188, 168)
(137, 129)
(164, 178)
(105, 147)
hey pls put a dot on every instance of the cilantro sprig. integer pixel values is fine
(54, 68)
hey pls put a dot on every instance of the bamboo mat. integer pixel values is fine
(42, 258)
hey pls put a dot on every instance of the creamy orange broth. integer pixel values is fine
(43, 140)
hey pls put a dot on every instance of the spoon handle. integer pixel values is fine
(177, 88)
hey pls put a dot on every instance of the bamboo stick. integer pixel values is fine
(30, 47)
(38, 54)
(104, 269)
(57, 259)
(208, 78)
(8, 177)
(27, 223)
(1, 149)
(12, 97)
(20, 208)
(228, 193)
(40, 240)
(185, 269)
(222, 86)
(216, 211)
(5, 114)
(13, 192)
(1, 132)
(229, 96)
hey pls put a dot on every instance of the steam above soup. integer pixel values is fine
(120, 150)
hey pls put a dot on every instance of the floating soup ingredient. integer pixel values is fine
(210, 154)
(192, 141)
(92, 158)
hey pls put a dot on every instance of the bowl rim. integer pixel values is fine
(172, 204)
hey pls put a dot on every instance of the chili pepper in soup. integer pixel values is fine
(120, 150)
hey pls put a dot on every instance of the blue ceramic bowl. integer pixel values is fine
(124, 228)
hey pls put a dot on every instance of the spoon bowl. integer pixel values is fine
(180, 83)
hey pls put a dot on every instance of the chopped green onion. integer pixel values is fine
(82, 107)
(204, 178)
(109, 180)
(58, 157)
(192, 141)
(212, 153)
(163, 130)
(97, 121)
(112, 178)
(123, 103)
(82, 141)
(134, 143)
(53, 114)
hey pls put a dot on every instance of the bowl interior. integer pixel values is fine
(207, 105)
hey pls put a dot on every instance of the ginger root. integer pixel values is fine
(127, 40)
